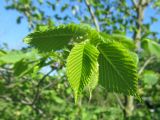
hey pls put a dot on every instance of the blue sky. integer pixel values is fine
(10, 32)
(13, 33)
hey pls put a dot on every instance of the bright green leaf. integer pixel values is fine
(81, 65)
(125, 41)
(134, 57)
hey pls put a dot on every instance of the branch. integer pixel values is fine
(36, 97)
(145, 65)
(5, 98)
(146, 3)
(92, 15)
(135, 3)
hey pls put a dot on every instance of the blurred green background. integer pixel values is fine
(33, 85)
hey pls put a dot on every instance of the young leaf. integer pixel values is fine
(152, 47)
(117, 69)
(56, 38)
(150, 78)
(81, 65)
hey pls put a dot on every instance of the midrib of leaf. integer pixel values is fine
(82, 72)
(81, 68)
(114, 67)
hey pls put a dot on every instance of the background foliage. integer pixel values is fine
(34, 85)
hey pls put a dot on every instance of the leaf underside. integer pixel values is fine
(57, 38)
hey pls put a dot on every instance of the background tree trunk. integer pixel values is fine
(140, 6)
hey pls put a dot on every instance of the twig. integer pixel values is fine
(49, 85)
(145, 65)
(90, 95)
(38, 87)
(5, 98)
(92, 15)
(119, 101)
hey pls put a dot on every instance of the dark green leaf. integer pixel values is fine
(117, 70)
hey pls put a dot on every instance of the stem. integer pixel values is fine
(90, 95)
(119, 101)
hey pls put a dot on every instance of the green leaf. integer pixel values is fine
(95, 37)
(20, 67)
(125, 41)
(117, 69)
(150, 77)
(94, 78)
(152, 47)
(11, 57)
(134, 57)
(57, 38)
(15, 56)
(63, 8)
(82, 64)
(23, 67)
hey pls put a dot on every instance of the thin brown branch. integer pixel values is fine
(92, 15)
(37, 94)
